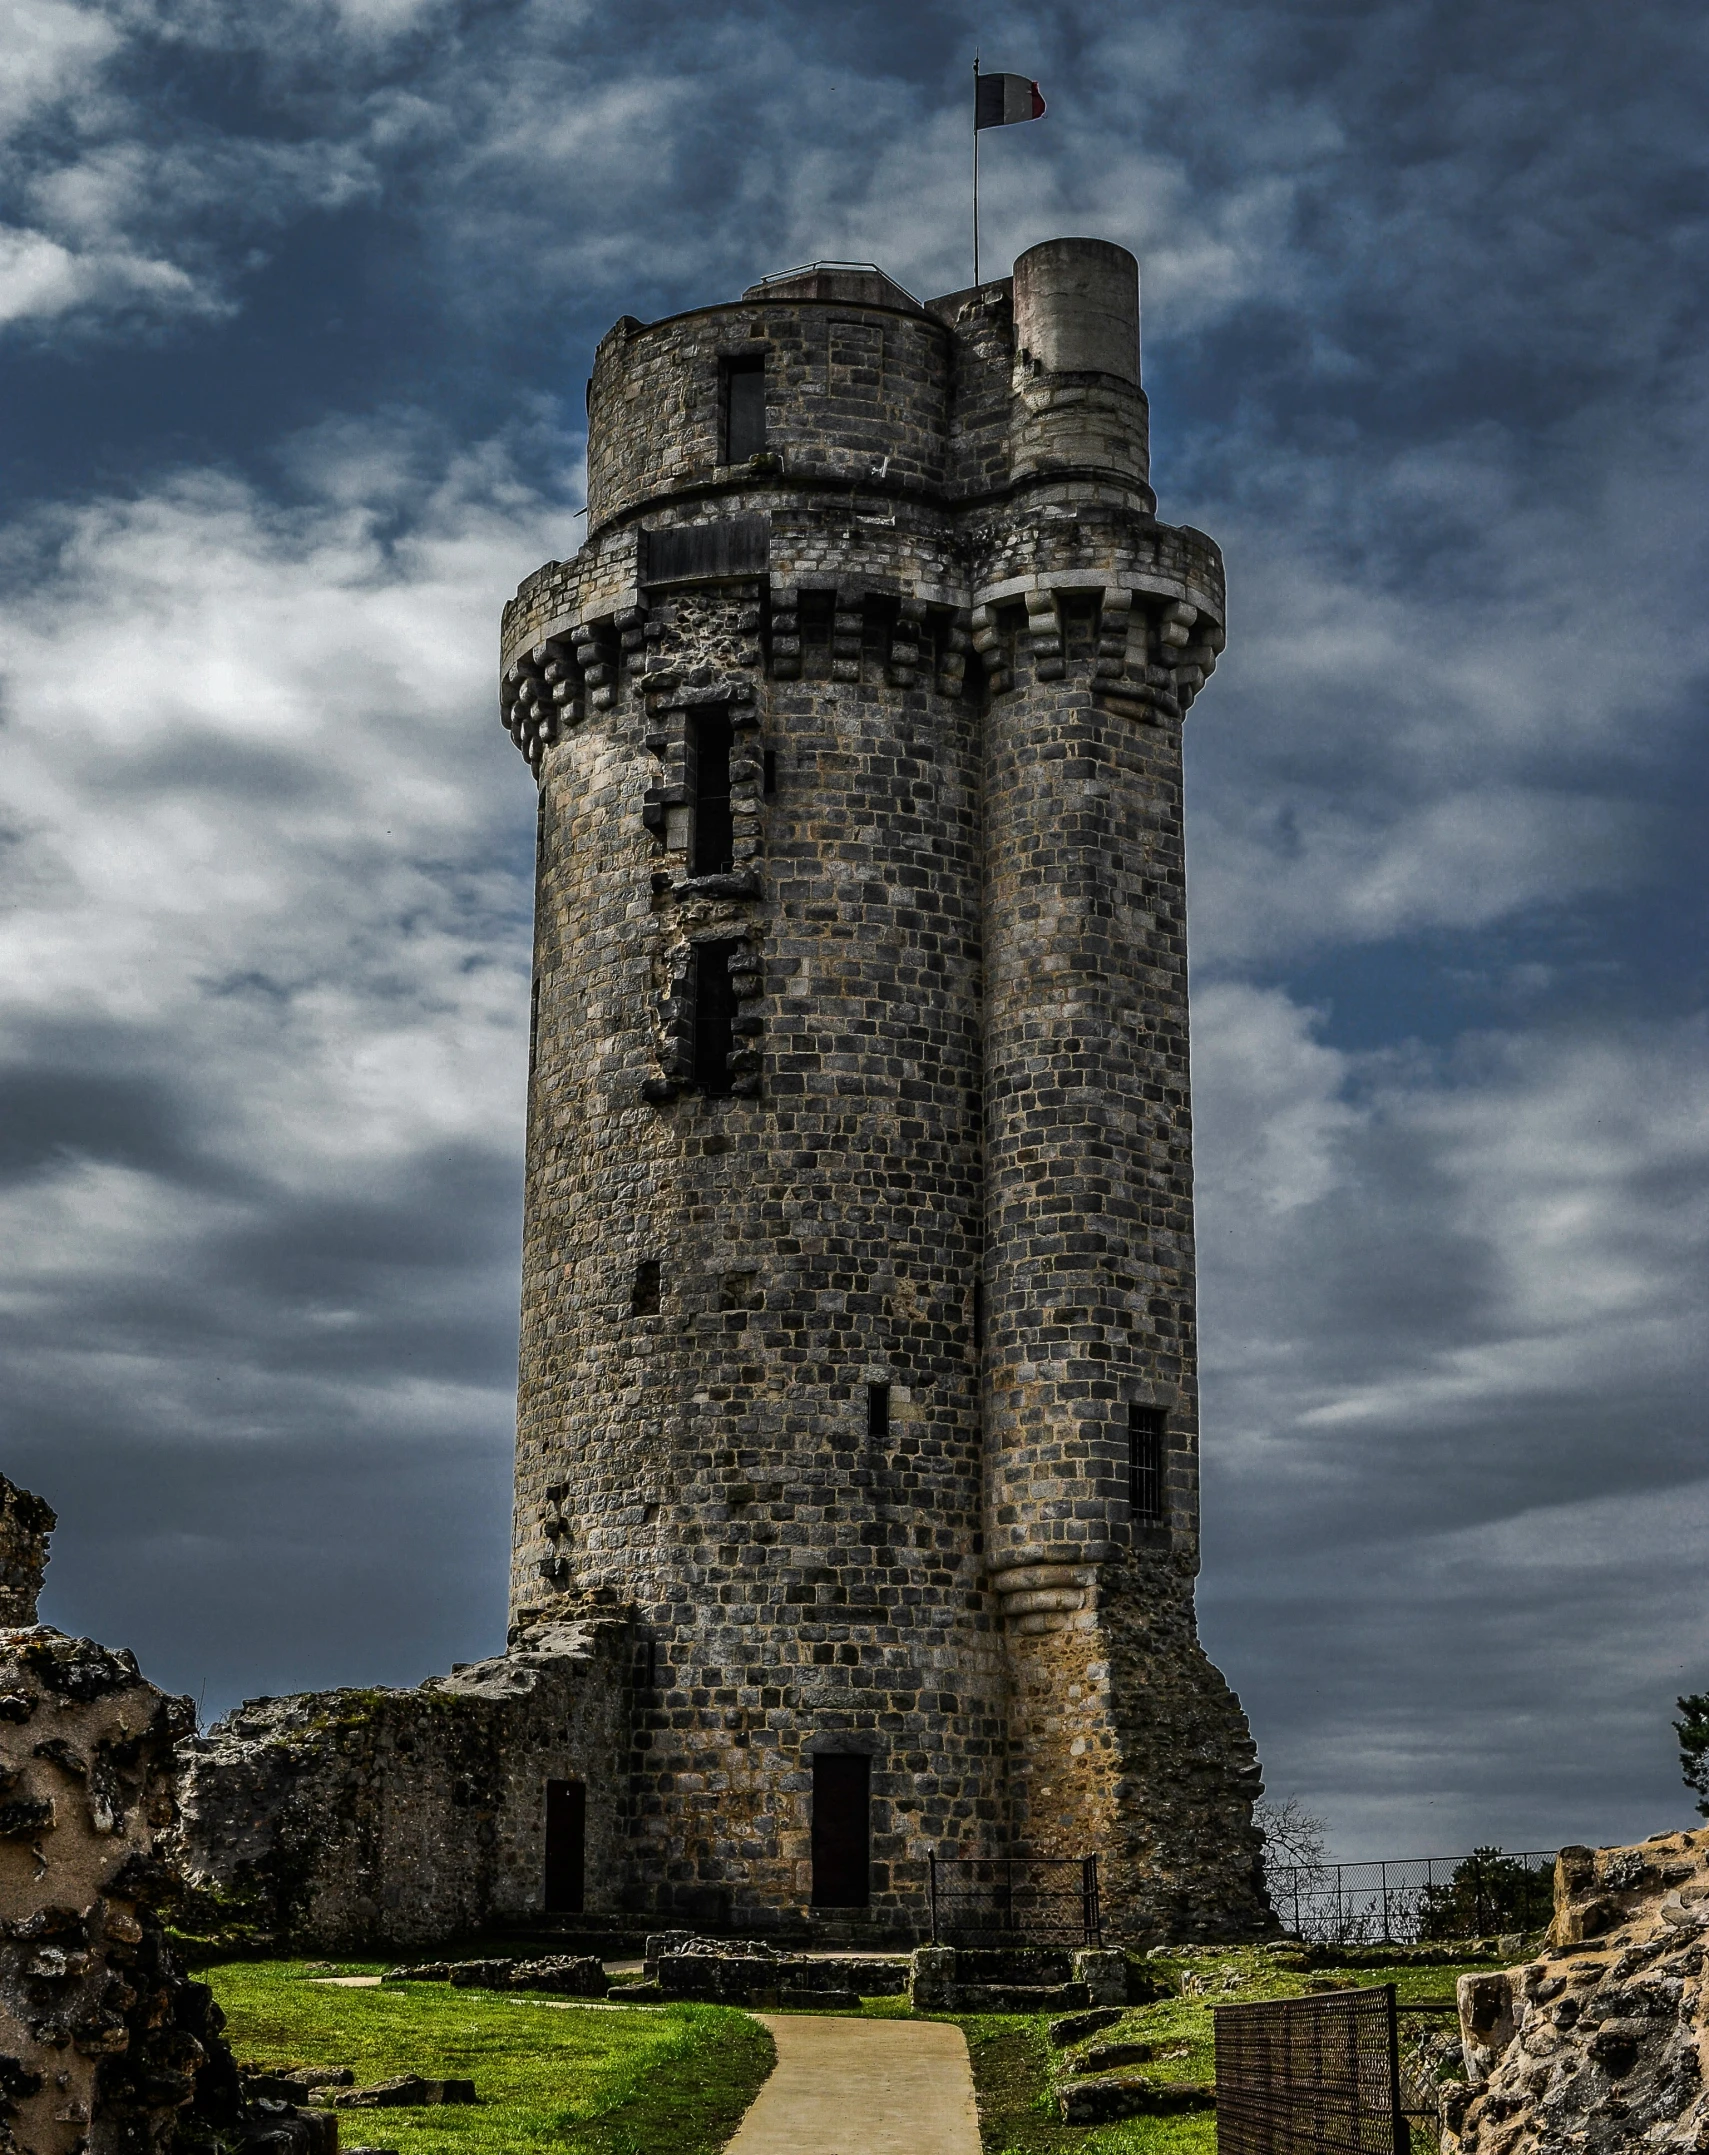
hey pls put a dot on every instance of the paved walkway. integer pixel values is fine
(862, 2087)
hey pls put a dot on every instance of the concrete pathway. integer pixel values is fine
(862, 2087)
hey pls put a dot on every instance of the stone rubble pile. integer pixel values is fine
(1599, 2046)
(567, 1975)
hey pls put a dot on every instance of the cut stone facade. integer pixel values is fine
(858, 1264)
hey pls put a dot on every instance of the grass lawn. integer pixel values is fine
(1013, 2059)
(675, 2080)
(581, 2080)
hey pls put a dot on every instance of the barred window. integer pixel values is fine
(1145, 1451)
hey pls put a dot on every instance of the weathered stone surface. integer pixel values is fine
(1122, 2095)
(1074, 2027)
(25, 1524)
(405, 2091)
(1598, 2047)
(353, 1818)
(105, 2043)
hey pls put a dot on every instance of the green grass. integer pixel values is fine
(675, 2080)
(580, 2080)
(1013, 2058)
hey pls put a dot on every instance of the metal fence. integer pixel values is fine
(1319, 2074)
(1410, 1900)
(1015, 1900)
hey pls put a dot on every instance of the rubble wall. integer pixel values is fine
(402, 1818)
(25, 1524)
(1601, 2046)
(104, 2044)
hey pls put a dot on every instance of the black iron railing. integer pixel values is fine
(1320, 2073)
(1015, 1900)
(1409, 1900)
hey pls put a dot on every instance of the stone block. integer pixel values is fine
(1121, 2095)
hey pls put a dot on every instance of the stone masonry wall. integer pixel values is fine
(1601, 2047)
(955, 649)
(360, 1818)
(103, 2042)
(25, 1524)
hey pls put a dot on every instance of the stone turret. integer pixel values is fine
(858, 1349)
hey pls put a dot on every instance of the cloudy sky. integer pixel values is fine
(296, 305)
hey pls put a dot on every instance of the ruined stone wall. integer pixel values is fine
(25, 1524)
(1601, 2047)
(355, 1818)
(102, 2039)
(945, 624)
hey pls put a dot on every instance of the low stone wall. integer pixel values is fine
(1600, 2046)
(348, 1819)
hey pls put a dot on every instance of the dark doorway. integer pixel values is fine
(842, 1785)
(566, 1845)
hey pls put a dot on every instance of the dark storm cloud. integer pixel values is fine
(300, 302)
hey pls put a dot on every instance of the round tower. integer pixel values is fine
(857, 1348)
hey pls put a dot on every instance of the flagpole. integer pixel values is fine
(976, 165)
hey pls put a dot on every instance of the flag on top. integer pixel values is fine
(1001, 100)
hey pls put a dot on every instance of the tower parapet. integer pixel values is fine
(858, 1335)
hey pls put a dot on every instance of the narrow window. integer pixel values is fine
(744, 408)
(646, 1288)
(566, 1845)
(770, 761)
(714, 1015)
(878, 1410)
(842, 1833)
(711, 840)
(978, 1316)
(533, 1019)
(1145, 1427)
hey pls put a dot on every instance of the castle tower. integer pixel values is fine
(858, 1330)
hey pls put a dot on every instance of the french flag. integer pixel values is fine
(1001, 100)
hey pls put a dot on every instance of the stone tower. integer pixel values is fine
(858, 1347)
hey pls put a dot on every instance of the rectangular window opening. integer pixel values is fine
(978, 1315)
(878, 1410)
(770, 764)
(744, 408)
(714, 1015)
(712, 837)
(566, 1845)
(646, 1289)
(842, 1829)
(1145, 1433)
